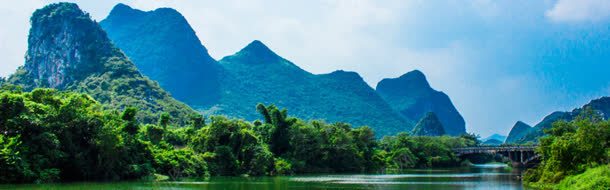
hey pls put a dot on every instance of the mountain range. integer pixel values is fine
(144, 59)
(256, 74)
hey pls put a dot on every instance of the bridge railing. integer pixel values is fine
(496, 148)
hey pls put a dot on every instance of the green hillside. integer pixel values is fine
(258, 75)
(164, 47)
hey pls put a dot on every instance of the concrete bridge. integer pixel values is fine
(521, 155)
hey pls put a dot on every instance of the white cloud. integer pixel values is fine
(579, 10)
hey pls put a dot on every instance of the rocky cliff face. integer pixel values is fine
(166, 49)
(429, 125)
(412, 96)
(69, 51)
(59, 50)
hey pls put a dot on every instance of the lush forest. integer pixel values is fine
(48, 135)
(575, 154)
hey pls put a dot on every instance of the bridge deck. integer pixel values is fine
(519, 155)
(495, 148)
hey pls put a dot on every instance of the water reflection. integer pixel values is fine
(478, 177)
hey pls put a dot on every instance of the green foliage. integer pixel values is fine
(282, 167)
(179, 163)
(232, 148)
(49, 136)
(570, 148)
(597, 178)
(404, 151)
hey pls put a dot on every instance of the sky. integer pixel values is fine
(499, 61)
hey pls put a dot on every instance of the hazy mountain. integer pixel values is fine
(412, 96)
(492, 142)
(519, 130)
(69, 51)
(498, 137)
(166, 49)
(601, 106)
(429, 125)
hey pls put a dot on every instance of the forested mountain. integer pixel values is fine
(601, 106)
(256, 74)
(519, 130)
(165, 48)
(412, 96)
(69, 51)
(429, 125)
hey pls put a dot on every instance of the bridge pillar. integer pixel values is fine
(521, 159)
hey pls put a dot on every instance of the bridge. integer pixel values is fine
(521, 156)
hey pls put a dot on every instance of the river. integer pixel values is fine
(479, 177)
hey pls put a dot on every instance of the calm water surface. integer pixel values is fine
(480, 177)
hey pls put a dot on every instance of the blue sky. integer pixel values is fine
(499, 61)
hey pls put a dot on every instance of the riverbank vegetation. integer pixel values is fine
(575, 155)
(50, 136)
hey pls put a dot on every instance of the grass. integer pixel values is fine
(591, 179)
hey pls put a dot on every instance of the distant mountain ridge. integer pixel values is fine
(600, 105)
(498, 137)
(69, 51)
(412, 96)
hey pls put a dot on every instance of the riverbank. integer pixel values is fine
(591, 179)
(574, 155)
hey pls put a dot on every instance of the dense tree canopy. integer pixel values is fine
(571, 148)
(48, 135)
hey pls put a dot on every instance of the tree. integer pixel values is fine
(197, 121)
(571, 147)
(279, 124)
(131, 126)
(164, 120)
